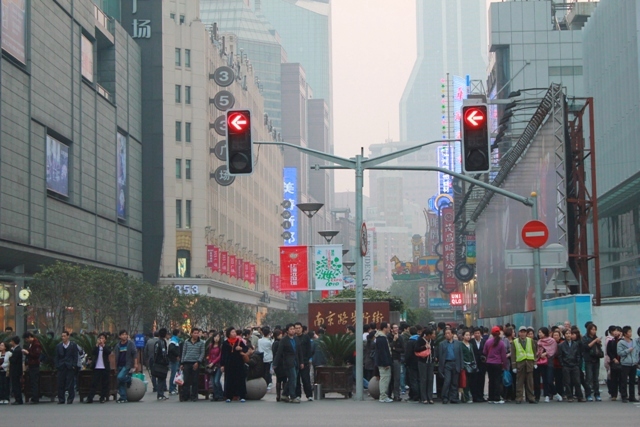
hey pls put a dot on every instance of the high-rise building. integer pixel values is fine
(191, 210)
(304, 27)
(451, 39)
(71, 145)
(255, 40)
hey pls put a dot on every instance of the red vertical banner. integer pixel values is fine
(233, 267)
(224, 262)
(239, 268)
(210, 257)
(293, 268)
(252, 274)
(272, 284)
(246, 269)
(215, 263)
(276, 283)
(450, 283)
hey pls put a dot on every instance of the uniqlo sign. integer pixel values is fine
(456, 299)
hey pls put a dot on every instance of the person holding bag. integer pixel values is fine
(469, 366)
(496, 353)
(592, 353)
(424, 354)
(234, 352)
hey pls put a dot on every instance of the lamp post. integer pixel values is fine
(310, 209)
(328, 235)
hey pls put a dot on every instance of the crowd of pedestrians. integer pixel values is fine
(412, 363)
(520, 364)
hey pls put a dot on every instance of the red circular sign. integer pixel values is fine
(474, 117)
(237, 122)
(535, 234)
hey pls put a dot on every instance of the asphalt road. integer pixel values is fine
(326, 412)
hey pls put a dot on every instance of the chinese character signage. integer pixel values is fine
(215, 263)
(290, 193)
(252, 274)
(450, 283)
(13, 28)
(334, 317)
(121, 171)
(422, 296)
(444, 161)
(294, 263)
(328, 267)
(210, 252)
(224, 262)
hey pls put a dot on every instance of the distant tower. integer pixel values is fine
(452, 38)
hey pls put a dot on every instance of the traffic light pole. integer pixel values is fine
(359, 164)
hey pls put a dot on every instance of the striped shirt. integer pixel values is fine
(192, 353)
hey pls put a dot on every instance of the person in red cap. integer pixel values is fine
(496, 354)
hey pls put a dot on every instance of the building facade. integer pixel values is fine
(193, 207)
(612, 78)
(70, 144)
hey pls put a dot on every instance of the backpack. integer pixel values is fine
(160, 355)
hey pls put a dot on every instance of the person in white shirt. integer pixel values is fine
(101, 370)
(264, 346)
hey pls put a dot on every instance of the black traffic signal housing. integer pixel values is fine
(476, 144)
(239, 143)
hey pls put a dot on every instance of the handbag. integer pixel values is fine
(507, 379)
(159, 370)
(596, 352)
(471, 367)
(424, 353)
(179, 378)
(463, 379)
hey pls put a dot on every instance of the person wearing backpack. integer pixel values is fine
(160, 365)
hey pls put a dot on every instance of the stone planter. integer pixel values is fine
(335, 379)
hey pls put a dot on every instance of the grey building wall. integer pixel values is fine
(48, 96)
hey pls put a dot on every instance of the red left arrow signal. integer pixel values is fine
(474, 117)
(238, 122)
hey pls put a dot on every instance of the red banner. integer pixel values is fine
(252, 274)
(246, 268)
(272, 282)
(233, 267)
(224, 262)
(277, 284)
(450, 282)
(215, 264)
(210, 257)
(293, 268)
(240, 269)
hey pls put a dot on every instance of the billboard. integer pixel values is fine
(444, 161)
(460, 93)
(13, 28)
(290, 193)
(294, 266)
(327, 263)
(121, 170)
(57, 166)
(504, 292)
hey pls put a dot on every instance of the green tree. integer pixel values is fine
(419, 316)
(169, 307)
(55, 289)
(96, 308)
(395, 303)
(132, 302)
(279, 317)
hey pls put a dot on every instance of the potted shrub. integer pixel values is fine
(336, 375)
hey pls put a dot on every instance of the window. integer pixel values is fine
(178, 60)
(181, 19)
(187, 132)
(187, 57)
(187, 216)
(179, 168)
(87, 58)
(178, 213)
(172, 16)
(187, 94)
(178, 92)
(178, 131)
(187, 169)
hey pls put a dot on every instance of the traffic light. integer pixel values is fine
(239, 144)
(476, 144)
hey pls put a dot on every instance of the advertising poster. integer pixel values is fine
(328, 267)
(233, 266)
(450, 282)
(13, 28)
(215, 263)
(57, 166)
(252, 274)
(294, 264)
(368, 261)
(290, 193)
(121, 169)
(210, 257)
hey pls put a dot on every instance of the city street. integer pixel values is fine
(326, 412)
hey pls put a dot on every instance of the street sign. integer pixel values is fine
(223, 76)
(535, 234)
(220, 125)
(553, 256)
(220, 150)
(139, 340)
(222, 177)
(224, 100)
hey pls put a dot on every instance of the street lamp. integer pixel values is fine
(310, 209)
(328, 235)
(349, 265)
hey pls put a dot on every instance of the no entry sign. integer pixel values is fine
(535, 234)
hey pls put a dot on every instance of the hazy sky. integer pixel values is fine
(374, 49)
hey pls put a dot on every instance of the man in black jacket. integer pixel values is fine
(397, 344)
(15, 370)
(477, 379)
(101, 368)
(289, 357)
(450, 359)
(383, 361)
(305, 371)
(66, 361)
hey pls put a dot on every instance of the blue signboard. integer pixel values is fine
(440, 303)
(290, 190)
(139, 340)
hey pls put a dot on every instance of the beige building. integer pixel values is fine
(241, 219)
